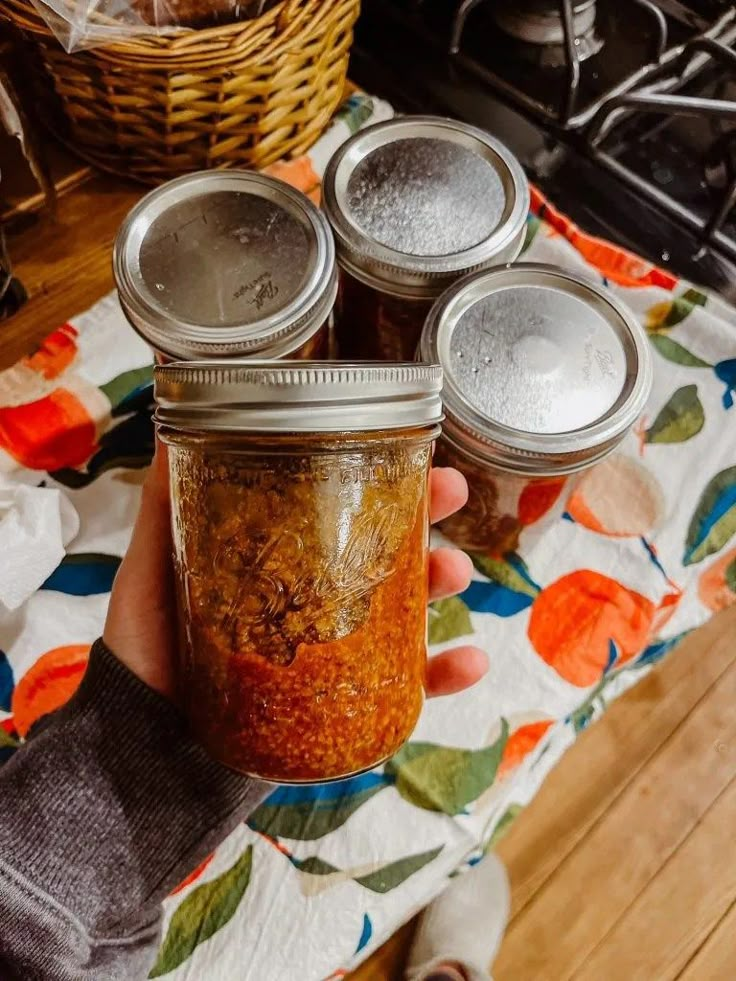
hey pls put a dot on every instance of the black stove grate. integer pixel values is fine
(663, 80)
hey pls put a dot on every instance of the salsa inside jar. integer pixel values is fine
(375, 325)
(501, 505)
(302, 587)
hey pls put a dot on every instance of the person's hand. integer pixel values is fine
(141, 620)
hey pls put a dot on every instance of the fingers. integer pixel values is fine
(448, 492)
(450, 571)
(455, 670)
(153, 514)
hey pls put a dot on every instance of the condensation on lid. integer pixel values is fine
(417, 201)
(426, 196)
(538, 359)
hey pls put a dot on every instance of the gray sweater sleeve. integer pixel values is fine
(104, 811)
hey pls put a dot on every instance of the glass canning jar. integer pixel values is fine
(544, 374)
(300, 521)
(415, 203)
(227, 264)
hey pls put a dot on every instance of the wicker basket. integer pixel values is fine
(243, 94)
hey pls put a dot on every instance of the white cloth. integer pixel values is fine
(465, 925)
(36, 525)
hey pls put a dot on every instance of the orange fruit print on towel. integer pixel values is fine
(538, 497)
(717, 584)
(48, 684)
(585, 621)
(520, 743)
(55, 353)
(56, 431)
(618, 497)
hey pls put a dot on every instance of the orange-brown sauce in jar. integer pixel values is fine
(302, 584)
(501, 505)
(376, 326)
(544, 375)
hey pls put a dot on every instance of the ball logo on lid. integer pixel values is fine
(226, 264)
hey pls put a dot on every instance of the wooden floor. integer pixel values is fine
(624, 866)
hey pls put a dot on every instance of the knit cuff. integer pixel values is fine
(113, 803)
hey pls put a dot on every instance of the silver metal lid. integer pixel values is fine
(418, 201)
(544, 372)
(225, 264)
(297, 396)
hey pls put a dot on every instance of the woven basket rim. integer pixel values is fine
(279, 24)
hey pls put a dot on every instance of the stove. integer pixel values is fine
(623, 112)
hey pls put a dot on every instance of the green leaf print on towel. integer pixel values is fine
(380, 879)
(308, 812)
(510, 572)
(669, 313)
(448, 619)
(442, 778)
(679, 420)
(204, 911)
(533, 224)
(356, 111)
(676, 353)
(503, 827)
(714, 521)
(126, 391)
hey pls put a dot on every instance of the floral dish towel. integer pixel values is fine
(645, 552)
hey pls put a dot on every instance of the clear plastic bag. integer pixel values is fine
(91, 23)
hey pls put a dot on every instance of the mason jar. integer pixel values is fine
(415, 203)
(300, 522)
(227, 264)
(544, 374)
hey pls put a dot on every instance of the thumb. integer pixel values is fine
(140, 625)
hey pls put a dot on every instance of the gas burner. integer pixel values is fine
(538, 27)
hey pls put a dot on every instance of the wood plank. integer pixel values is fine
(387, 963)
(675, 914)
(716, 959)
(610, 754)
(64, 261)
(19, 192)
(595, 771)
(624, 850)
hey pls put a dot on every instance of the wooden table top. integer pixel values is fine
(64, 261)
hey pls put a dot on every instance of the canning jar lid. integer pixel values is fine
(417, 201)
(225, 264)
(297, 396)
(544, 371)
